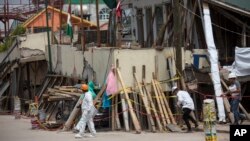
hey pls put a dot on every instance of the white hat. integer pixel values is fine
(231, 75)
(174, 88)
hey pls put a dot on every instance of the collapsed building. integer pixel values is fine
(146, 50)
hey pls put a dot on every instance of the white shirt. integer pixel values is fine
(185, 100)
(234, 87)
(87, 102)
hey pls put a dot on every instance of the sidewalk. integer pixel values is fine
(20, 130)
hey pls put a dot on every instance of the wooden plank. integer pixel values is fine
(159, 104)
(156, 68)
(241, 107)
(57, 98)
(125, 112)
(45, 85)
(131, 111)
(229, 7)
(146, 104)
(68, 89)
(167, 105)
(52, 111)
(174, 128)
(244, 111)
(4, 88)
(52, 90)
(136, 100)
(98, 96)
(118, 123)
(72, 117)
(153, 107)
(162, 103)
(62, 94)
(226, 104)
(113, 123)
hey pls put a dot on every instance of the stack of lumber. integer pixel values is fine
(62, 93)
(148, 110)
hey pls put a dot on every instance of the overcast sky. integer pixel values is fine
(13, 2)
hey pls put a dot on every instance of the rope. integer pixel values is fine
(150, 84)
(213, 96)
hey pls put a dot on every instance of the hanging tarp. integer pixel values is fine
(110, 3)
(213, 57)
(242, 59)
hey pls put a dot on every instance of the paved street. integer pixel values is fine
(20, 130)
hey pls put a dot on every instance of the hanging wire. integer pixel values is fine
(223, 28)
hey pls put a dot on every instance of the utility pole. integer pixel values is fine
(47, 24)
(82, 30)
(8, 24)
(98, 24)
(60, 22)
(5, 19)
(178, 40)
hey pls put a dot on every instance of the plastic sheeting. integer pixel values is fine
(213, 57)
(111, 83)
(242, 58)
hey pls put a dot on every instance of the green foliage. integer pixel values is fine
(18, 31)
(9, 40)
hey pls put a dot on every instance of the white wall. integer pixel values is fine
(14, 55)
(35, 41)
(65, 59)
(31, 41)
(101, 60)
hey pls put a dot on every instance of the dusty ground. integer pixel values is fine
(20, 130)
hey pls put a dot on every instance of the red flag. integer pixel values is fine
(118, 9)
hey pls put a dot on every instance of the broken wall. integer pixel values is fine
(34, 41)
(66, 58)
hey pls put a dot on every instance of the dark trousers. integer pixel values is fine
(235, 109)
(186, 117)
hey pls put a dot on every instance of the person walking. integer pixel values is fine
(187, 105)
(235, 94)
(90, 123)
(88, 112)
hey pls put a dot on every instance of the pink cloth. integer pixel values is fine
(111, 83)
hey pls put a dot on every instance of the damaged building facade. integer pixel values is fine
(148, 52)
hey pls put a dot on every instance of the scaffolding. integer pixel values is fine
(20, 11)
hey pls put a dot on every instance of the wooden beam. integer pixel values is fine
(72, 117)
(166, 103)
(228, 7)
(159, 104)
(146, 104)
(100, 93)
(227, 105)
(153, 107)
(241, 107)
(162, 103)
(231, 17)
(131, 111)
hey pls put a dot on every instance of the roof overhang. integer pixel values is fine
(228, 7)
(75, 19)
